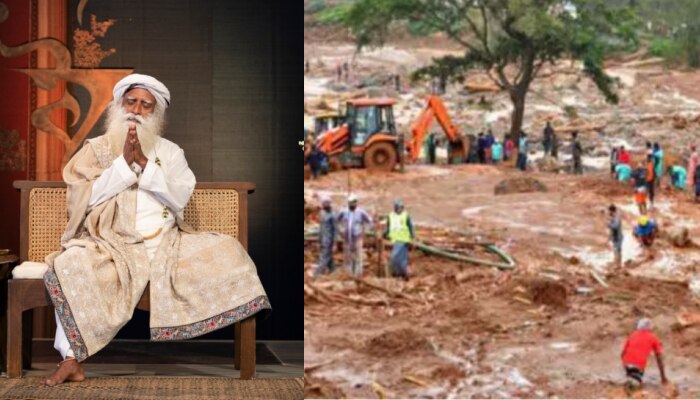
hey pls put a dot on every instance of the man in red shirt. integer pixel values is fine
(636, 352)
(623, 157)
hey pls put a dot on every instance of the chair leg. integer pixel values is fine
(27, 336)
(14, 334)
(237, 345)
(247, 339)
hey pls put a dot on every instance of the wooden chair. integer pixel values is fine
(214, 206)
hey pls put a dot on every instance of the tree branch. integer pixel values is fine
(445, 26)
(484, 21)
(502, 76)
(494, 79)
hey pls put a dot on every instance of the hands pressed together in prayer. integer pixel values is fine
(132, 149)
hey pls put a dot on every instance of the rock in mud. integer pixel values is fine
(394, 342)
(679, 236)
(519, 185)
(547, 292)
(549, 164)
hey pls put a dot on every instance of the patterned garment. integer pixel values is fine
(399, 259)
(199, 282)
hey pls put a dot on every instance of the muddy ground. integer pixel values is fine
(547, 328)
(555, 325)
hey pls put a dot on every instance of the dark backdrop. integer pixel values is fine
(233, 69)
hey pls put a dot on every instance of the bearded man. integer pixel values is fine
(126, 193)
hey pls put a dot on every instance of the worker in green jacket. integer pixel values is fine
(399, 229)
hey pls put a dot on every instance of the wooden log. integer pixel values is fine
(383, 289)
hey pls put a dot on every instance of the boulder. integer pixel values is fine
(679, 236)
(519, 185)
(551, 293)
(549, 164)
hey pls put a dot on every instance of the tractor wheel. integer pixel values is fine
(457, 152)
(334, 164)
(381, 157)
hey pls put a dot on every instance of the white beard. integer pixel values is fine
(149, 129)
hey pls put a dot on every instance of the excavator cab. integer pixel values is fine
(372, 131)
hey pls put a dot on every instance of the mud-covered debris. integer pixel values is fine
(394, 342)
(551, 293)
(679, 236)
(519, 185)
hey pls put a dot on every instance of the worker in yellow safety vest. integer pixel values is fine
(399, 229)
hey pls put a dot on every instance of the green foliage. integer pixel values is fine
(335, 15)
(676, 29)
(369, 20)
(666, 48)
(420, 28)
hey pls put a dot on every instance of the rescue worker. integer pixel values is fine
(635, 354)
(548, 138)
(522, 151)
(577, 152)
(431, 147)
(615, 226)
(645, 231)
(315, 161)
(623, 156)
(651, 179)
(496, 152)
(679, 176)
(614, 159)
(326, 237)
(508, 147)
(658, 164)
(399, 229)
(623, 172)
(481, 147)
(354, 221)
(489, 140)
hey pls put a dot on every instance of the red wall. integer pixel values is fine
(15, 100)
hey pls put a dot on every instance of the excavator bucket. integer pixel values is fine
(458, 150)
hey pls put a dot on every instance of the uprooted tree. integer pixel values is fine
(510, 40)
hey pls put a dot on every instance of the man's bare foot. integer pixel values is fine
(68, 370)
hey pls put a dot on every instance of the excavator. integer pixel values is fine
(371, 132)
(457, 148)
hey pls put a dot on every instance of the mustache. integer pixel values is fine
(131, 117)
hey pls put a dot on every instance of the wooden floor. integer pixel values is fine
(277, 359)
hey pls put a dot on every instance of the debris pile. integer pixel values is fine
(519, 185)
(553, 325)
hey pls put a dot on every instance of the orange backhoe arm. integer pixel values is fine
(434, 108)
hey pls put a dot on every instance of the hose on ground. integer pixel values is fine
(507, 260)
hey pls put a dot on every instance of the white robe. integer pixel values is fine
(170, 184)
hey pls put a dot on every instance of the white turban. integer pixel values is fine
(153, 85)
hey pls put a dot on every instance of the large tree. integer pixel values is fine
(511, 40)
